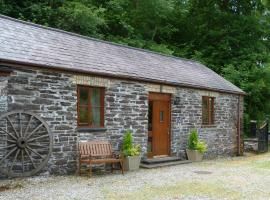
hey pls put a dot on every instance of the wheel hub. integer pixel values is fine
(21, 142)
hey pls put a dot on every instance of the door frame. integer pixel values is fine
(152, 96)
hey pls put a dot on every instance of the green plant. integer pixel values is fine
(128, 149)
(195, 144)
(201, 147)
(193, 140)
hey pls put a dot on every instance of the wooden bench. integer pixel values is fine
(97, 152)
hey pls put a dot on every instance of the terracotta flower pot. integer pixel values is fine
(132, 163)
(194, 155)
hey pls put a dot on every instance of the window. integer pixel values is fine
(90, 107)
(207, 110)
(161, 116)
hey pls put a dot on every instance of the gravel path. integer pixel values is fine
(233, 178)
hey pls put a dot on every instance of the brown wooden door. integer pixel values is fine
(160, 133)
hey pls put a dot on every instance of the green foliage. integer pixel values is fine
(81, 18)
(128, 149)
(230, 37)
(201, 147)
(127, 141)
(193, 139)
(195, 144)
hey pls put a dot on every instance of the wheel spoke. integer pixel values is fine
(12, 145)
(43, 136)
(22, 154)
(15, 158)
(12, 141)
(41, 132)
(38, 145)
(28, 125)
(7, 155)
(20, 122)
(35, 152)
(12, 125)
(30, 158)
(34, 131)
(1, 129)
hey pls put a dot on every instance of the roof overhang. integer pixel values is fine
(11, 63)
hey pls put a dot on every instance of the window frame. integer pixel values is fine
(89, 106)
(210, 110)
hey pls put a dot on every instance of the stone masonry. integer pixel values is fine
(3, 93)
(221, 137)
(52, 95)
(126, 108)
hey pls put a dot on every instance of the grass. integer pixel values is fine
(228, 184)
(10, 186)
(262, 165)
(231, 178)
(182, 189)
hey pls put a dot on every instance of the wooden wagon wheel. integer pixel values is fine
(25, 144)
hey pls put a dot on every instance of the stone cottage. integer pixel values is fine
(82, 88)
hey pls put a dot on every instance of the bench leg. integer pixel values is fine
(112, 165)
(80, 168)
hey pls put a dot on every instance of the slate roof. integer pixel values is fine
(24, 42)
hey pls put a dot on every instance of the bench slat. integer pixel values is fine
(95, 149)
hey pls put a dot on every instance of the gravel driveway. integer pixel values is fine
(245, 177)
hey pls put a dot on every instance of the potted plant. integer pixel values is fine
(195, 148)
(131, 153)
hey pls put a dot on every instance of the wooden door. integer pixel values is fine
(160, 124)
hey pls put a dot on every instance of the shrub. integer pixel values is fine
(201, 147)
(128, 149)
(195, 144)
(193, 140)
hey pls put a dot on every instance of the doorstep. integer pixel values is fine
(162, 162)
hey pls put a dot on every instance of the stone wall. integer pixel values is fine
(126, 108)
(3, 103)
(3, 93)
(52, 96)
(221, 137)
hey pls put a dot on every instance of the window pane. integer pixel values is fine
(90, 107)
(83, 115)
(161, 116)
(205, 110)
(83, 96)
(95, 118)
(95, 97)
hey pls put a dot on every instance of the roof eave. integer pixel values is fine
(8, 62)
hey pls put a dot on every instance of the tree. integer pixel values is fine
(232, 37)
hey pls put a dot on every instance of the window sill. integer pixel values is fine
(208, 126)
(90, 130)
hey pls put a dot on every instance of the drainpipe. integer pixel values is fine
(238, 128)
